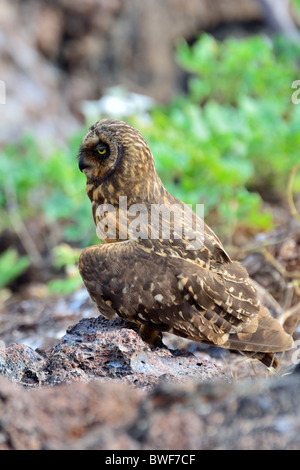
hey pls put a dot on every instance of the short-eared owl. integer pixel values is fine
(163, 283)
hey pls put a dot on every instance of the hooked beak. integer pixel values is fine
(82, 165)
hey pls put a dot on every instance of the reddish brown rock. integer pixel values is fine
(99, 348)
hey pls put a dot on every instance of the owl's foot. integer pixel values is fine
(151, 336)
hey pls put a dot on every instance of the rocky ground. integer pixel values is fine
(96, 348)
(101, 387)
(115, 416)
(71, 379)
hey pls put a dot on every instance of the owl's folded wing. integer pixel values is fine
(177, 295)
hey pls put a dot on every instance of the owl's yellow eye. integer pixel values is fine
(102, 151)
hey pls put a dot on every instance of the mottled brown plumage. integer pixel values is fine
(162, 284)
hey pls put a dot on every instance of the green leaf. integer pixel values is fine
(11, 266)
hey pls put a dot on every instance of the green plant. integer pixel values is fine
(296, 4)
(236, 133)
(66, 257)
(11, 266)
(39, 182)
(45, 184)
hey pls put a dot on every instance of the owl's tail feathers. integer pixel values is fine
(261, 338)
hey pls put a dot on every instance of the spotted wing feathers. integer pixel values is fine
(216, 306)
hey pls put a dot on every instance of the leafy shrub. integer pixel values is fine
(67, 258)
(236, 133)
(46, 183)
(11, 266)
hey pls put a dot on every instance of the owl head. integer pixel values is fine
(113, 151)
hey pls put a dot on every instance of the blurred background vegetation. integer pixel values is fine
(228, 137)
